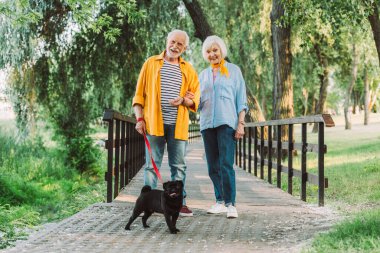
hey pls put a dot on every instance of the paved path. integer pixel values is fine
(270, 220)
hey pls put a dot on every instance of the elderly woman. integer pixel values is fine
(222, 110)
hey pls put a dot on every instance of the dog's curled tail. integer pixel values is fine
(146, 188)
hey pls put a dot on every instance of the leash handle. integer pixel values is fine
(151, 158)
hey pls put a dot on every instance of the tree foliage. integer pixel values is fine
(85, 57)
(68, 60)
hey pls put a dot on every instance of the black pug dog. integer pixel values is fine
(167, 202)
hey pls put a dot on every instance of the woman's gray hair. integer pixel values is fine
(209, 41)
(181, 32)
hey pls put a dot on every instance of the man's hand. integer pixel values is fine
(140, 127)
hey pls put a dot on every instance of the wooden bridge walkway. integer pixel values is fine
(270, 220)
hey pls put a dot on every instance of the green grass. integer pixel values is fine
(358, 234)
(353, 169)
(37, 187)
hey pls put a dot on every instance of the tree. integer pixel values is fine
(374, 20)
(71, 64)
(282, 62)
(202, 27)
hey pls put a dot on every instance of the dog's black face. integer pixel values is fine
(173, 189)
(167, 202)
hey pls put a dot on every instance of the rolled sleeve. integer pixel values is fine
(138, 100)
(194, 87)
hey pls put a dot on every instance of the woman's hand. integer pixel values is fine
(188, 99)
(189, 95)
(239, 133)
(177, 101)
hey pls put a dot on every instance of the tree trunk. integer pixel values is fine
(324, 82)
(202, 27)
(282, 66)
(366, 97)
(255, 113)
(263, 100)
(347, 103)
(375, 25)
(314, 104)
(202, 30)
(354, 104)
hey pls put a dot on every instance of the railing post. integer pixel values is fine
(262, 151)
(255, 151)
(270, 154)
(109, 161)
(117, 159)
(279, 153)
(290, 158)
(133, 151)
(128, 153)
(236, 153)
(244, 152)
(304, 162)
(250, 150)
(239, 152)
(321, 169)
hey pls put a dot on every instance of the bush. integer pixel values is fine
(36, 186)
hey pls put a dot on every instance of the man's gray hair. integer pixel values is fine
(209, 41)
(181, 32)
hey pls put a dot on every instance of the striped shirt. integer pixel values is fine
(171, 81)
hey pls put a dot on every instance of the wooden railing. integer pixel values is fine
(269, 147)
(126, 152)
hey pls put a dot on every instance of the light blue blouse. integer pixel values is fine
(222, 100)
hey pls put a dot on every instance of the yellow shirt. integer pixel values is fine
(148, 95)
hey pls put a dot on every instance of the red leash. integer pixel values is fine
(151, 158)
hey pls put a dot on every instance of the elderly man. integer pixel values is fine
(162, 110)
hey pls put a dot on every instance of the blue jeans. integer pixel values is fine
(219, 145)
(176, 156)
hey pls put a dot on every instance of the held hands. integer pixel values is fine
(186, 100)
(239, 133)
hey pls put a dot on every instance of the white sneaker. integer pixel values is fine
(231, 212)
(217, 208)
